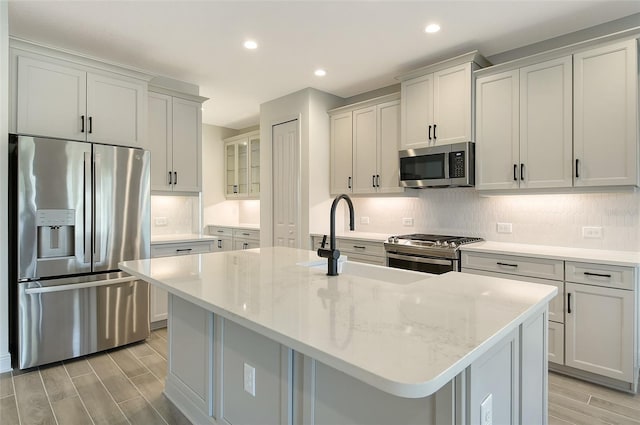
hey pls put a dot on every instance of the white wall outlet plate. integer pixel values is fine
(486, 411)
(592, 232)
(504, 227)
(161, 221)
(364, 220)
(407, 221)
(250, 379)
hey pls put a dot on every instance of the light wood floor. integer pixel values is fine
(124, 386)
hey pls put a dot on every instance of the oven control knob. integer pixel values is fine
(438, 243)
(452, 244)
(393, 239)
(445, 244)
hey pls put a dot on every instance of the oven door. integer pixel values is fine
(422, 264)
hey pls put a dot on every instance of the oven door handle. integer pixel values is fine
(426, 260)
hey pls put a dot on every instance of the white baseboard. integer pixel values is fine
(5, 363)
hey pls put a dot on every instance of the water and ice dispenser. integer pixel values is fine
(56, 233)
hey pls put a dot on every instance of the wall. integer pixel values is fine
(175, 215)
(555, 219)
(216, 208)
(5, 359)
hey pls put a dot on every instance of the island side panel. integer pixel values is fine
(534, 370)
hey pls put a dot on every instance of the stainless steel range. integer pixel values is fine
(426, 253)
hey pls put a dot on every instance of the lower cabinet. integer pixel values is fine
(157, 296)
(358, 250)
(234, 238)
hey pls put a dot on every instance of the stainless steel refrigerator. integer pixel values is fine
(76, 210)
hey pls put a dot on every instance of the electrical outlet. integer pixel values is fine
(592, 232)
(364, 220)
(161, 221)
(486, 411)
(407, 221)
(504, 227)
(250, 379)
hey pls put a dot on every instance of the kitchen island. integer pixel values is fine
(263, 336)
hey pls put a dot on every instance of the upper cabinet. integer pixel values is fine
(242, 166)
(175, 139)
(559, 123)
(437, 107)
(58, 98)
(605, 90)
(364, 147)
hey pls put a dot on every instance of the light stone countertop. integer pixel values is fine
(179, 238)
(237, 226)
(407, 339)
(599, 256)
(373, 237)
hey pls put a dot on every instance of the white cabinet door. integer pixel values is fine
(159, 141)
(606, 115)
(158, 308)
(51, 100)
(364, 150)
(497, 131)
(341, 153)
(388, 122)
(556, 342)
(452, 105)
(254, 166)
(417, 112)
(117, 110)
(546, 146)
(599, 330)
(187, 128)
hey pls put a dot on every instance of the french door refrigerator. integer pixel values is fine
(76, 210)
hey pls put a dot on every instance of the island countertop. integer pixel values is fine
(408, 339)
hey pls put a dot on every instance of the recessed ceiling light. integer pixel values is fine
(320, 72)
(250, 44)
(431, 28)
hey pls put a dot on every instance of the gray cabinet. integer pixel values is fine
(242, 166)
(234, 238)
(358, 250)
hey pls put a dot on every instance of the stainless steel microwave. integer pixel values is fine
(438, 166)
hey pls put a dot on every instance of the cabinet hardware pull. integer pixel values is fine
(434, 132)
(82, 120)
(522, 172)
(506, 264)
(235, 188)
(377, 180)
(359, 247)
(220, 243)
(515, 170)
(569, 303)
(429, 132)
(90, 125)
(245, 245)
(184, 249)
(175, 177)
(577, 172)
(373, 180)
(324, 241)
(170, 180)
(220, 231)
(247, 234)
(349, 184)
(598, 274)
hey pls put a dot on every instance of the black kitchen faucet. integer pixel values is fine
(332, 254)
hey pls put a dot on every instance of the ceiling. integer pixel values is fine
(363, 45)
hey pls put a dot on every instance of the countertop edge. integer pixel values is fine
(181, 238)
(400, 389)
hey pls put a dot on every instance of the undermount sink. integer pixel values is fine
(370, 271)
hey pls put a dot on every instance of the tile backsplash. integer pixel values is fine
(554, 219)
(171, 215)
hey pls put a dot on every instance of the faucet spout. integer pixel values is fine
(332, 254)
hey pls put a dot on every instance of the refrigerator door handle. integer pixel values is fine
(97, 205)
(71, 287)
(87, 206)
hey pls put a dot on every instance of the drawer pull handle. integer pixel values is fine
(569, 303)
(247, 234)
(184, 249)
(506, 264)
(598, 274)
(220, 231)
(359, 247)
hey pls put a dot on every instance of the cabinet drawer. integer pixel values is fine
(316, 242)
(367, 259)
(556, 342)
(166, 250)
(246, 234)
(601, 275)
(220, 231)
(522, 266)
(361, 247)
(556, 305)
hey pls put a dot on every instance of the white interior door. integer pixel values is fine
(286, 184)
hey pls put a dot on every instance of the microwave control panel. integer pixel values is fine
(456, 164)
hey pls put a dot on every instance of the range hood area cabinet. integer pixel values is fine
(561, 120)
(57, 94)
(242, 166)
(364, 147)
(437, 102)
(175, 139)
